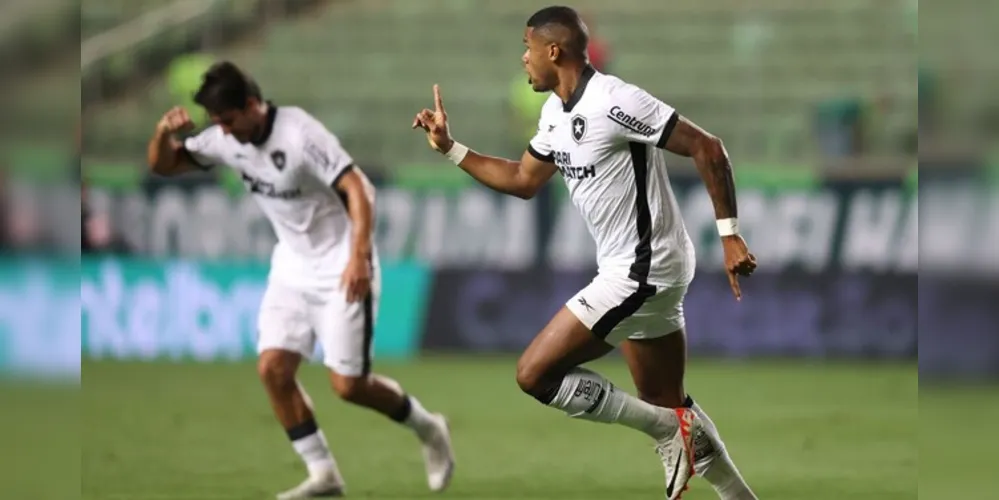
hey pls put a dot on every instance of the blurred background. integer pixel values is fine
(826, 107)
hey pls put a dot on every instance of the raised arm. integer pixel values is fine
(523, 178)
(165, 154)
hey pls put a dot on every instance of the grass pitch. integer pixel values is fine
(796, 430)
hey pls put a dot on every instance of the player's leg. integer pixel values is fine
(549, 369)
(285, 338)
(346, 331)
(657, 365)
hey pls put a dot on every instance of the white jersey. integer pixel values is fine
(291, 172)
(607, 142)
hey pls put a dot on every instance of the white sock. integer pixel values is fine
(713, 463)
(316, 454)
(416, 417)
(588, 395)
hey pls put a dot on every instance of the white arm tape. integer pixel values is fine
(728, 227)
(457, 152)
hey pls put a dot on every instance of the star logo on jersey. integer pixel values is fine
(578, 128)
(279, 159)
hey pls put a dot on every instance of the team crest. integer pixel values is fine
(578, 128)
(279, 159)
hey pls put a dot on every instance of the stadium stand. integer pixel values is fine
(34, 31)
(748, 74)
(101, 15)
(143, 39)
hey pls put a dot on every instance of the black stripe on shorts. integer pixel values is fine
(369, 333)
(617, 314)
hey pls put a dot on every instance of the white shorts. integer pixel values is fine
(291, 319)
(616, 308)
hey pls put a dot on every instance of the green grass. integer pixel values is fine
(39, 440)
(797, 431)
(957, 441)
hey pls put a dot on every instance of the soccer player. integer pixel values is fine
(607, 139)
(324, 280)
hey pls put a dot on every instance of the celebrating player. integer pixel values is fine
(324, 280)
(606, 138)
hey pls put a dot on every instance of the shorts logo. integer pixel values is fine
(578, 128)
(584, 303)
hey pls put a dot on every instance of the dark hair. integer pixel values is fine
(575, 37)
(225, 87)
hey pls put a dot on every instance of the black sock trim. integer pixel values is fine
(403, 412)
(303, 430)
(548, 396)
(689, 402)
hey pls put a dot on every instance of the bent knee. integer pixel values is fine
(536, 381)
(276, 371)
(350, 389)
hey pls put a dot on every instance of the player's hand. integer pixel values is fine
(176, 120)
(434, 123)
(738, 261)
(356, 279)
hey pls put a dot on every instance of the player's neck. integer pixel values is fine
(263, 130)
(569, 81)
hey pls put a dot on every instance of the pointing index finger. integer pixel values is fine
(438, 103)
(733, 281)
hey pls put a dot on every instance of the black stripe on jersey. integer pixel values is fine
(339, 192)
(369, 334)
(190, 159)
(265, 133)
(549, 158)
(629, 306)
(336, 180)
(643, 215)
(581, 84)
(667, 130)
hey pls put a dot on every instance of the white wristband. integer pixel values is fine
(728, 227)
(457, 152)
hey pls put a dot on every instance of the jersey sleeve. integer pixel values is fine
(205, 149)
(540, 146)
(637, 116)
(324, 157)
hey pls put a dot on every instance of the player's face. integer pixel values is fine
(241, 124)
(538, 62)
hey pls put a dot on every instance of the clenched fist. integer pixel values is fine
(175, 120)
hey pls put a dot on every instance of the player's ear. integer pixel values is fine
(554, 51)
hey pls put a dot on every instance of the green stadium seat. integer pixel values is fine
(753, 72)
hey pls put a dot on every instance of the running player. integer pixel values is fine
(606, 138)
(324, 278)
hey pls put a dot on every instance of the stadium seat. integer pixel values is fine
(753, 73)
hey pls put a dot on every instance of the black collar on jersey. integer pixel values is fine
(577, 94)
(268, 125)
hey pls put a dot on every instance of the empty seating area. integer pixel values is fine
(753, 72)
(102, 15)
